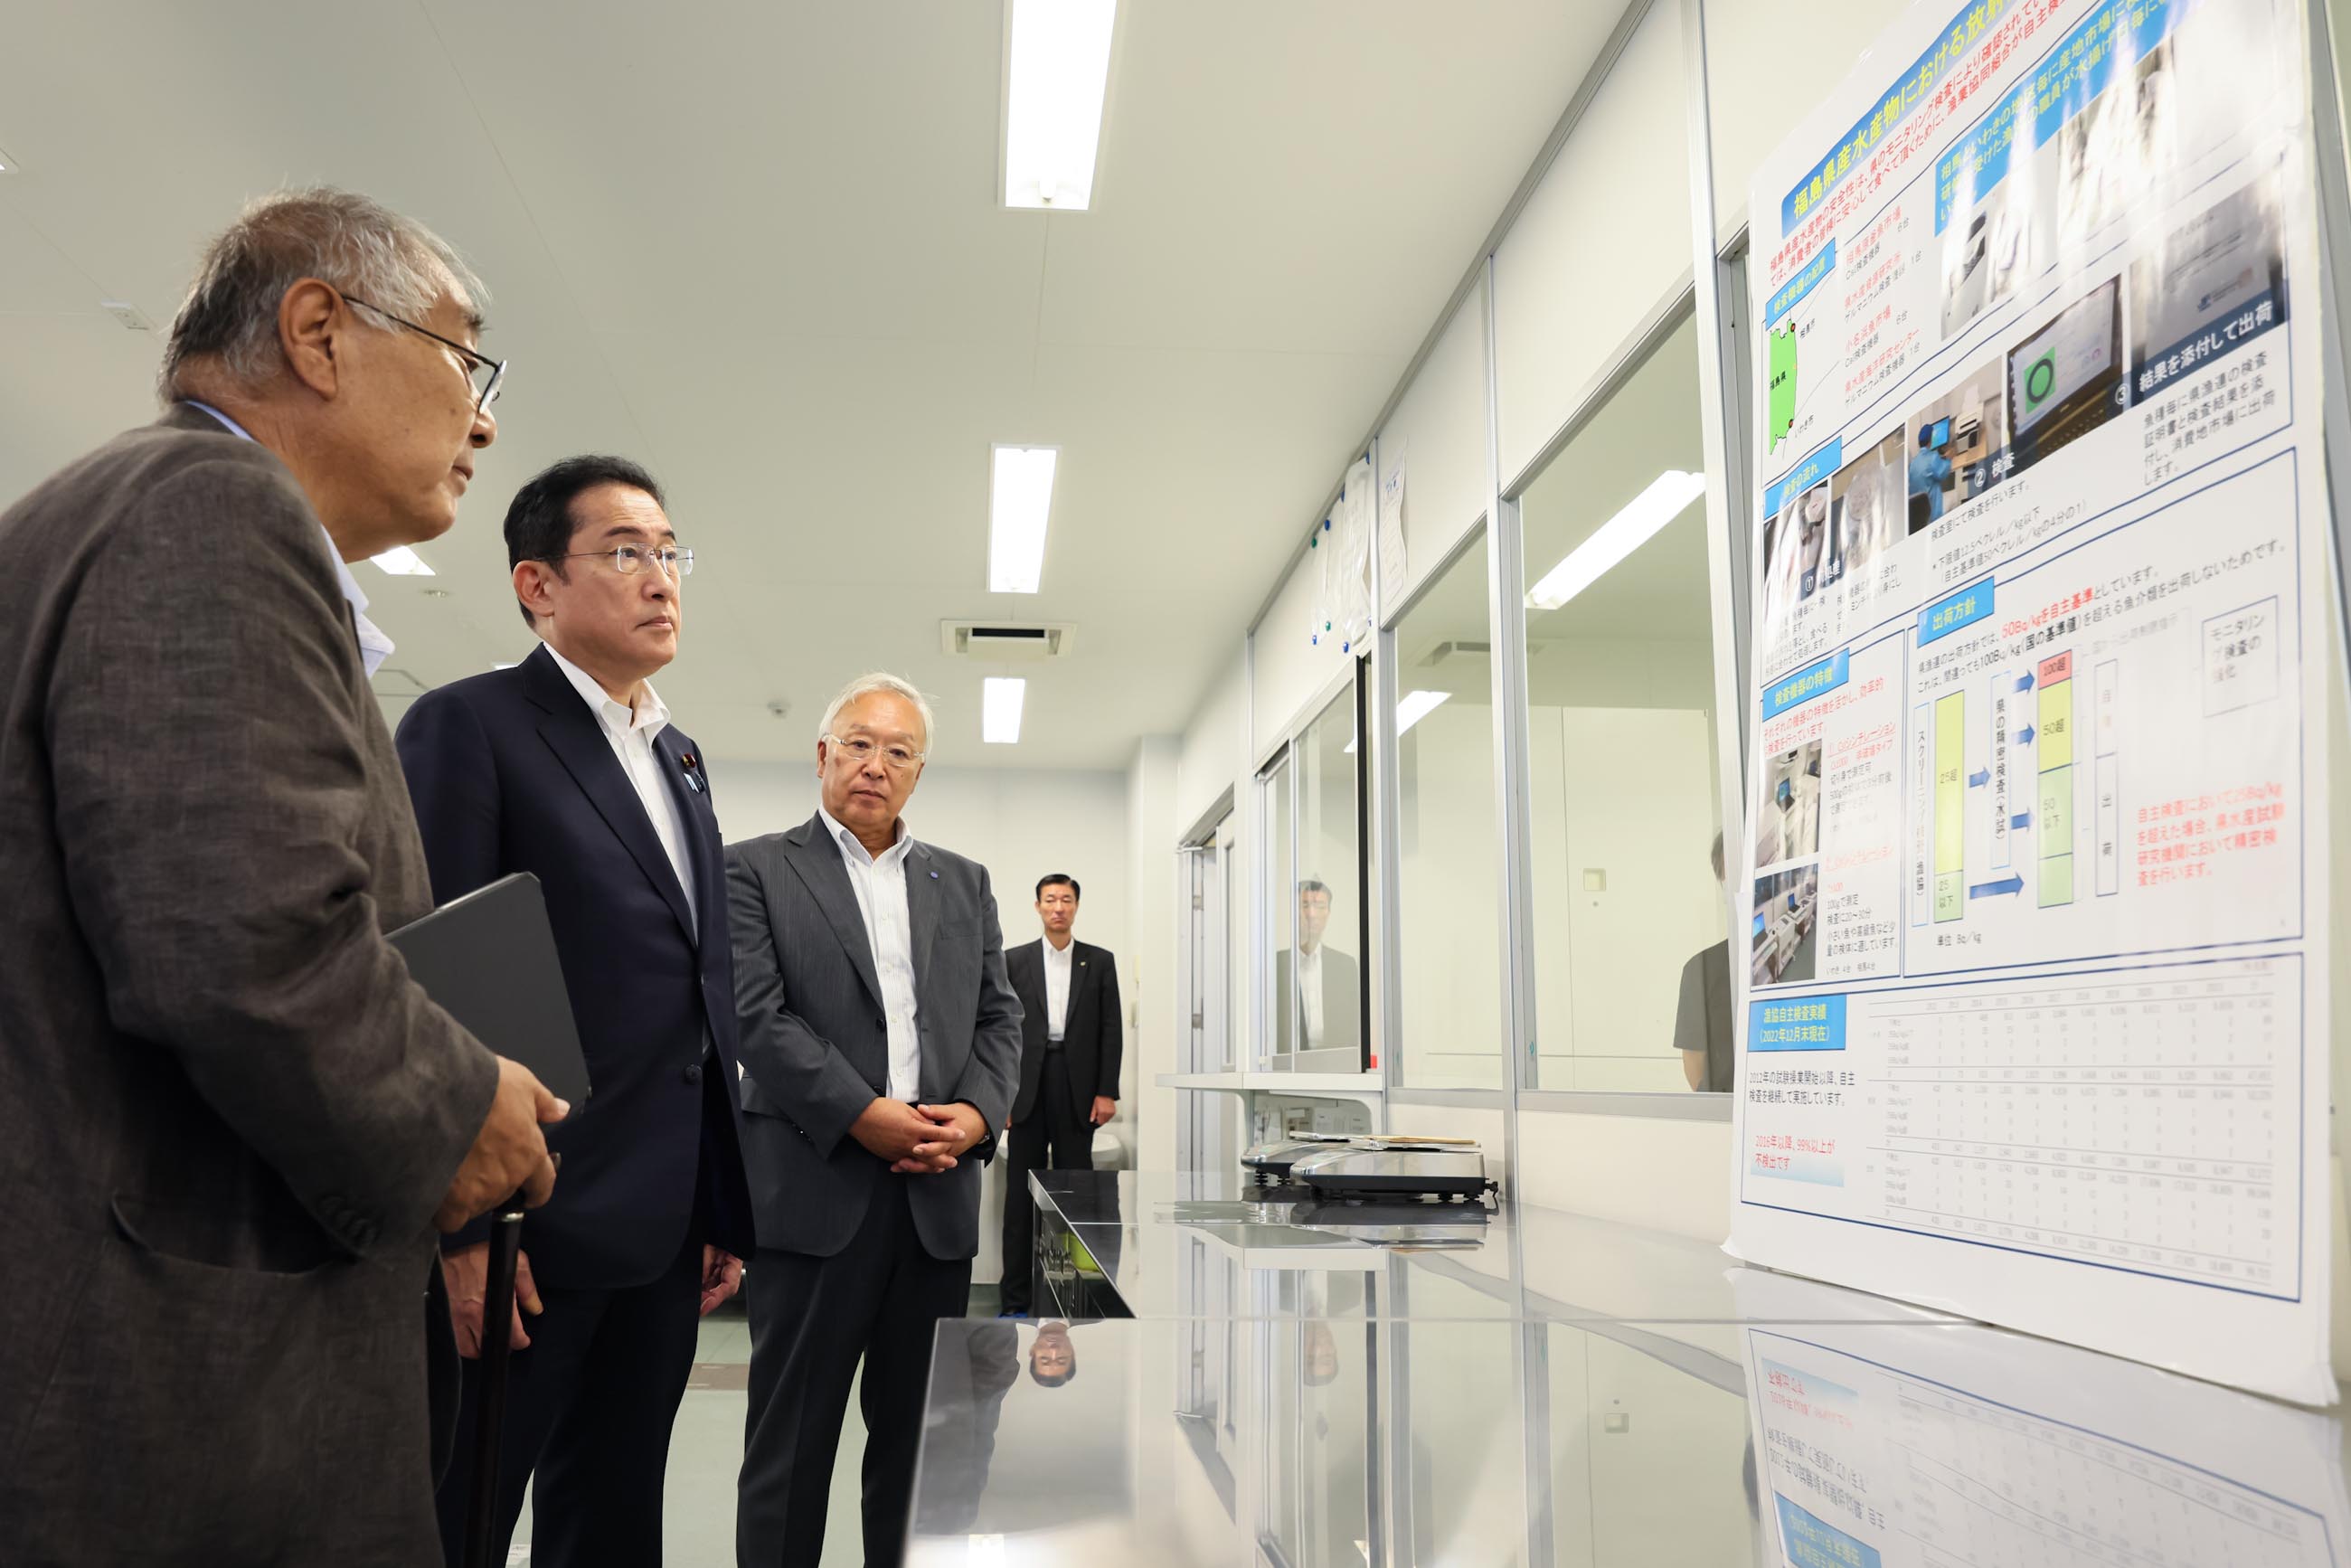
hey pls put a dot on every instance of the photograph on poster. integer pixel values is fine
(1788, 806)
(1865, 507)
(2214, 272)
(2113, 151)
(1781, 936)
(2066, 375)
(1793, 542)
(1957, 444)
(1985, 257)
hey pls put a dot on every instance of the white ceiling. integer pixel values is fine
(758, 249)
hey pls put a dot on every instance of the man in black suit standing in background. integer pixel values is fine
(1071, 1040)
(566, 765)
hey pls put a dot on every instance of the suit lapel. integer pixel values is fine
(817, 859)
(576, 738)
(702, 847)
(921, 907)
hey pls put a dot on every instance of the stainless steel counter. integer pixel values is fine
(1113, 1244)
(1359, 1442)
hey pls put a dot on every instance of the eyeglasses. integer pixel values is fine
(487, 376)
(863, 751)
(630, 559)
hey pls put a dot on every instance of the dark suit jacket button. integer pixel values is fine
(694, 1073)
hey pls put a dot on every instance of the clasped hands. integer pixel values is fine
(917, 1140)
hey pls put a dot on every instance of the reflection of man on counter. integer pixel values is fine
(972, 1366)
(1327, 1007)
(1702, 1017)
(1052, 1359)
(1929, 472)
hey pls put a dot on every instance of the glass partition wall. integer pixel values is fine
(1631, 972)
(1310, 797)
(1448, 880)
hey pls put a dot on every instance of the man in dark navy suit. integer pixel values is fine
(566, 765)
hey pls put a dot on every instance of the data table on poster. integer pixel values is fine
(2135, 1124)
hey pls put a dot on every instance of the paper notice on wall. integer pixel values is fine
(1394, 567)
(2037, 970)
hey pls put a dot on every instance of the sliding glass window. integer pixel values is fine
(1632, 974)
(1315, 920)
(1448, 884)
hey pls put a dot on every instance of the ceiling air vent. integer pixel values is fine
(994, 640)
(1456, 650)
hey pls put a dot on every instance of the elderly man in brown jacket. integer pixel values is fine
(229, 1122)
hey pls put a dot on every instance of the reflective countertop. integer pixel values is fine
(1215, 1245)
(1367, 1443)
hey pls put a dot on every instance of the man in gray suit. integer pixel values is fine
(228, 1120)
(881, 1047)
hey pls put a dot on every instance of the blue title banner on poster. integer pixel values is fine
(1803, 283)
(1914, 86)
(1803, 476)
(1806, 684)
(1802, 1024)
(1965, 608)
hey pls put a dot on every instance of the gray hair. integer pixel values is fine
(866, 686)
(230, 317)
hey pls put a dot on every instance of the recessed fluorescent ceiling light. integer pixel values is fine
(1022, 498)
(1617, 537)
(402, 561)
(1000, 699)
(1053, 109)
(1415, 706)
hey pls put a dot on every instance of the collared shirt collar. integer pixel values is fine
(850, 841)
(374, 646)
(651, 715)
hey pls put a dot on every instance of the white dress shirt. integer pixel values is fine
(630, 733)
(1309, 994)
(881, 884)
(374, 646)
(1058, 968)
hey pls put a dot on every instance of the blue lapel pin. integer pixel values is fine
(693, 781)
(934, 876)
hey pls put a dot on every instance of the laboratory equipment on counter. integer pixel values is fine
(1395, 1167)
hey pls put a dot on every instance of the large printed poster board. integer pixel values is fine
(2036, 849)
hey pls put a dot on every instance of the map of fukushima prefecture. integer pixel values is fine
(1783, 382)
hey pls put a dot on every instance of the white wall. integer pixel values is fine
(1149, 964)
(1674, 1175)
(1750, 110)
(1019, 824)
(1439, 428)
(1291, 665)
(1599, 242)
(1210, 757)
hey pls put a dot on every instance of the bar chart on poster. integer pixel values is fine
(2037, 979)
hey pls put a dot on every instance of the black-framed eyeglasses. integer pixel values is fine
(630, 559)
(487, 376)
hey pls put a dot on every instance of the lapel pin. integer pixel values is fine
(934, 876)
